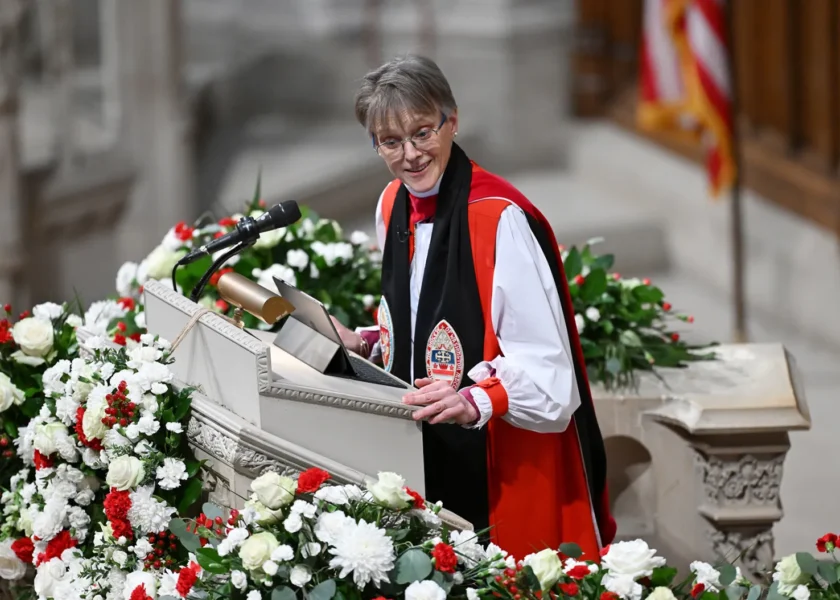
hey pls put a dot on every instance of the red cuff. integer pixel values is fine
(497, 393)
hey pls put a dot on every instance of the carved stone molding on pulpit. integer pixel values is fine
(741, 503)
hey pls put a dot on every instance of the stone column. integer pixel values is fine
(145, 96)
(11, 12)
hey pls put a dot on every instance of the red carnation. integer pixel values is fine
(23, 549)
(570, 589)
(311, 479)
(697, 590)
(57, 546)
(117, 504)
(827, 543)
(419, 503)
(41, 461)
(183, 232)
(214, 280)
(126, 303)
(227, 222)
(609, 596)
(445, 559)
(578, 572)
(119, 339)
(186, 579)
(139, 593)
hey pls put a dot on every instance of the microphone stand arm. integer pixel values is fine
(196, 293)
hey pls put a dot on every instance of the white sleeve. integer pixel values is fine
(537, 369)
(381, 230)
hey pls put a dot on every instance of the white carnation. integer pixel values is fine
(425, 590)
(171, 473)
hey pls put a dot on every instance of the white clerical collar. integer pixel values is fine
(432, 192)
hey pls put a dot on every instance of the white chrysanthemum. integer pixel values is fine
(53, 378)
(706, 574)
(466, 546)
(425, 590)
(147, 514)
(48, 311)
(100, 314)
(171, 473)
(366, 551)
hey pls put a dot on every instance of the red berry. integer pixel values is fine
(168, 561)
(690, 319)
(172, 536)
(579, 279)
(8, 453)
(514, 589)
(8, 308)
(666, 306)
(616, 276)
(151, 538)
(219, 520)
(646, 281)
(123, 422)
(157, 564)
(510, 572)
(173, 546)
(24, 315)
(131, 406)
(498, 579)
(4, 442)
(517, 597)
(121, 326)
(675, 337)
(150, 556)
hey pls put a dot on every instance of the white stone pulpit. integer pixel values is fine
(259, 408)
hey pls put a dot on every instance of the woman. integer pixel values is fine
(476, 313)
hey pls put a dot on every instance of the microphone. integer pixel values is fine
(402, 236)
(248, 230)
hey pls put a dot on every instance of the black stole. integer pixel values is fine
(455, 458)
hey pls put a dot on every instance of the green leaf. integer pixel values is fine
(773, 592)
(607, 326)
(283, 593)
(209, 560)
(663, 576)
(605, 261)
(190, 494)
(614, 366)
(573, 264)
(727, 574)
(193, 467)
(444, 580)
(594, 285)
(630, 338)
(323, 591)
(211, 511)
(827, 569)
(188, 539)
(399, 535)
(735, 592)
(10, 428)
(807, 563)
(413, 565)
(755, 593)
(530, 579)
(571, 550)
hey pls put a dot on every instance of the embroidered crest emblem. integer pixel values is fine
(386, 333)
(445, 355)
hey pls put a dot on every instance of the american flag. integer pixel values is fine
(685, 79)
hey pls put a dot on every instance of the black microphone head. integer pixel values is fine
(280, 215)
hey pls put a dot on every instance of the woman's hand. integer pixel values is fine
(442, 403)
(351, 340)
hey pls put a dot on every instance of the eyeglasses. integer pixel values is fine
(421, 140)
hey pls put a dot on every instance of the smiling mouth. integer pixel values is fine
(419, 169)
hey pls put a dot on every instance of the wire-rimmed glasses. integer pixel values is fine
(422, 139)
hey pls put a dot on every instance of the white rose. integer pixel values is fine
(264, 515)
(11, 567)
(707, 575)
(125, 278)
(359, 238)
(425, 590)
(9, 393)
(633, 559)
(257, 549)
(125, 473)
(623, 586)
(48, 311)
(138, 578)
(593, 314)
(274, 490)
(789, 575)
(159, 264)
(239, 580)
(34, 336)
(92, 424)
(547, 566)
(662, 593)
(580, 323)
(300, 575)
(389, 491)
(801, 593)
(47, 437)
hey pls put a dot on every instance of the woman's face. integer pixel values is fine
(418, 167)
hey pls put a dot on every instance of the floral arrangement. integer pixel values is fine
(625, 325)
(106, 468)
(312, 254)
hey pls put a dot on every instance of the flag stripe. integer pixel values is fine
(664, 57)
(708, 48)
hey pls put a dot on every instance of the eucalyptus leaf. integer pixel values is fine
(283, 593)
(629, 337)
(323, 591)
(413, 565)
(827, 569)
(188, 539)
(727, 574)
(755, 593)
(444, 580)
(807, 563)
(211, 511)
(571, 550)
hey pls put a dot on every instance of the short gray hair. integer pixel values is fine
(410, 82)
